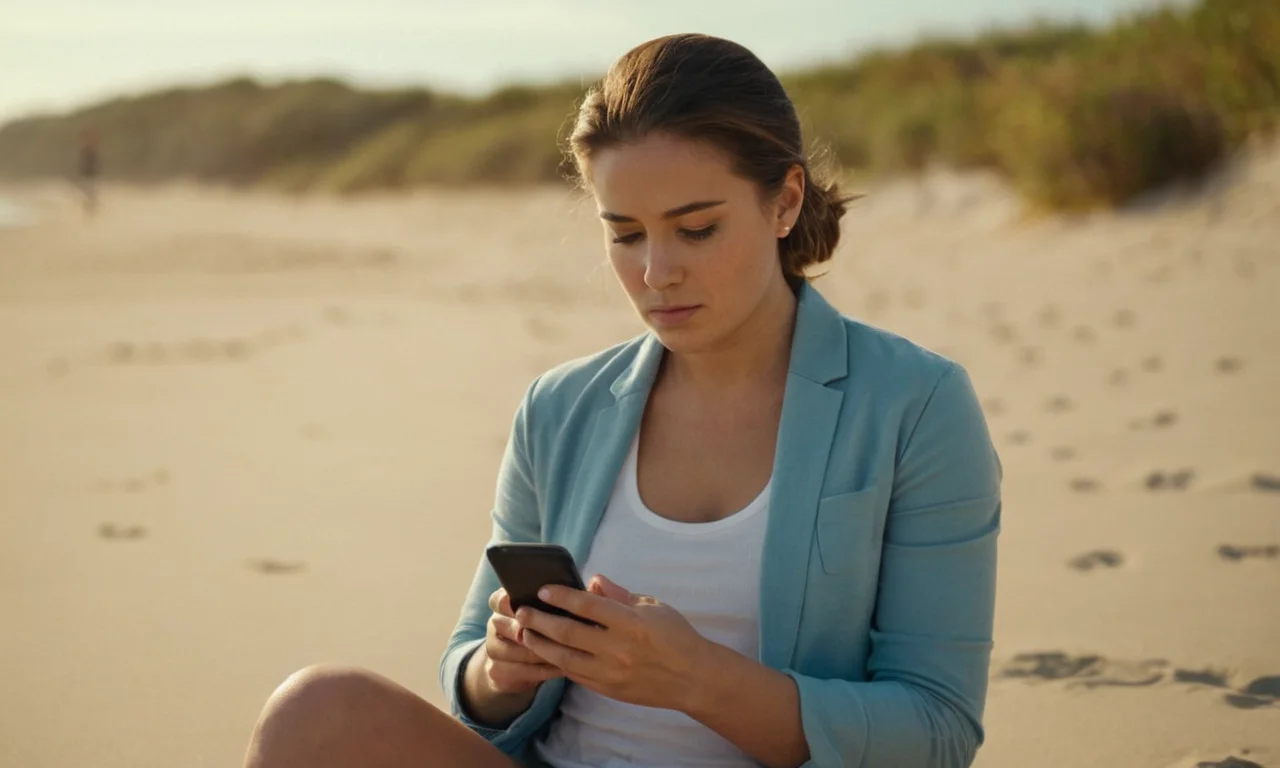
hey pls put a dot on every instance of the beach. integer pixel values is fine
(243, 433)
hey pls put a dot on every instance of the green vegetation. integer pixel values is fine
(1075, 117)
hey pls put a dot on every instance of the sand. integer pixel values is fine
(240, 434)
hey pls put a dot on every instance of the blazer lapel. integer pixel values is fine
(810, 410)
(612, 431)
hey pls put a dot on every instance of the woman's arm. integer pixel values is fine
(756, 708)
(515, 519)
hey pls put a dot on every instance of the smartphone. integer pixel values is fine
(523, 569)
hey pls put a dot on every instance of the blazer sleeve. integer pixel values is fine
(516, 518)
(931, 632)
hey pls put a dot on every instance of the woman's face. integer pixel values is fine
(692, 243)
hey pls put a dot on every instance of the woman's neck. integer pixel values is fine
(757, 353)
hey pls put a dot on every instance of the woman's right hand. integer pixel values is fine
(509, 668)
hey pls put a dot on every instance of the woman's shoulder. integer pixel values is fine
(587, 380)
(899, 365)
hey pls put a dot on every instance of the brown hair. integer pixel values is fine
(704, 88)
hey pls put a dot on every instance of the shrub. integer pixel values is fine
(1090, 142)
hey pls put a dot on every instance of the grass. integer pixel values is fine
(1074, 117)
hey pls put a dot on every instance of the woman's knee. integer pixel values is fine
(321, 704)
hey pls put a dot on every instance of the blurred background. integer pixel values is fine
(273, 277)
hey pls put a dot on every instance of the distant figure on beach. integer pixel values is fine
(88, 169)
(789, 517)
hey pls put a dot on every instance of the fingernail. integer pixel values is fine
(544, 594)
(520, 636)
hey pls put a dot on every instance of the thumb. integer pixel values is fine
(601, 585)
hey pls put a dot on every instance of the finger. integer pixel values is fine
(598, 608)
(500, 603)
(510, 653)
(515, 678)
(565, 659)
(505, 628)
(565, 631)
(604, 586)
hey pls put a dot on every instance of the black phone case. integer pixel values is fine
(523, 569)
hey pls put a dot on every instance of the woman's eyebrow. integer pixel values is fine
(700, 205)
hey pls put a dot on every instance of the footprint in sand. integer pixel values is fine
(158, 477)
(272, 567)
(1020, 437)
(541, 329)
(122, 353)
(1118, 377)
(1029, 356)
(1058, 404)
(1163, 481)
(1084, 334)
(1050, 316)
(1084, 485)
(314, 432)
(1096, 671)
(1229, 364)
(1003, 333)
(1264, 482)
(1124, 318)
(993, 406)
(1245, 269)
(1086, 670)
(1062, 453)
(1153, 364)
(335, 315)
(113, 532)
(1160, 420)
(1098, 558)
(1229, 762)
(236, 349)
(1261, 692)
(57, 367)
(380, 258)
(1261, 552)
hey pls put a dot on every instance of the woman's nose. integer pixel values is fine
(662, 269)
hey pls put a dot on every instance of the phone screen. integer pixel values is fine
(523, 569)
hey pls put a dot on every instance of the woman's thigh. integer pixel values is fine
(339, 717)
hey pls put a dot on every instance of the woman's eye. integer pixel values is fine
(699, 234)
(627, 239)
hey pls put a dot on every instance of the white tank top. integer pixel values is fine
(710, 572)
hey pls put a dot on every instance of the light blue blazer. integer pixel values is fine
(879, 571)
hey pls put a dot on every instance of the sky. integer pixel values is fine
(59, 54)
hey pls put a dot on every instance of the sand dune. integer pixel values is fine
(240, 434)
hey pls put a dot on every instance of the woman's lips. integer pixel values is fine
(672, 315)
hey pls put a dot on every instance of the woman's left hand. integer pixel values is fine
(643, 653)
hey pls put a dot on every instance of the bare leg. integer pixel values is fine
(338, 717)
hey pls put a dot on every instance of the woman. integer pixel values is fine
(793, 515)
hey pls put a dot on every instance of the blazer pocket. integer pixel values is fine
(849, 529)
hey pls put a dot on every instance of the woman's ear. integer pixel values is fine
(790, 200)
